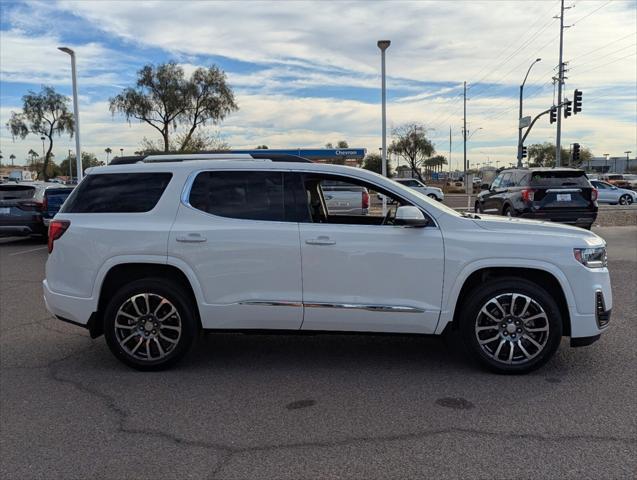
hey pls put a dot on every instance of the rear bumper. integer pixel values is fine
(574, 217)
(72, 309)
(22, 230)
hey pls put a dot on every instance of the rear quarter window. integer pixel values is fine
(118, 193)
(559, 179)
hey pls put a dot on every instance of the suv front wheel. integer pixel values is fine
(511, 325)
(149, 324)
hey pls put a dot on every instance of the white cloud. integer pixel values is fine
(35, 59)
(318, 44)
(431, 41)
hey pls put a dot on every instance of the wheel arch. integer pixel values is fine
(126, 272)
(540, 276)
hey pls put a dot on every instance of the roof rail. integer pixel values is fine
(215, 155)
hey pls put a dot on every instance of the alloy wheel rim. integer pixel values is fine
(512, 328)
(147, 327)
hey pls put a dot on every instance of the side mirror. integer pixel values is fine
(484, 186)
(409, 216)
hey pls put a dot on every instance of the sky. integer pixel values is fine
(308, 73)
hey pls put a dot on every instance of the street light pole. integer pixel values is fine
(76, 113)
(519, 125)
(384, 45)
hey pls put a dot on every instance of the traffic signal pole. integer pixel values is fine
(560, 81)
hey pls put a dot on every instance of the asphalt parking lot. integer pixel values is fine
(341, 406)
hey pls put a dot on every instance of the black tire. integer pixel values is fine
(432, 196)
(625, 199)
(507, 211)
(175, 295)
(470, 315)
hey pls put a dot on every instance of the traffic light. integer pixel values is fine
(523, 152)
(553, 115)
(575, 152)
(577, 98)
(568, 108)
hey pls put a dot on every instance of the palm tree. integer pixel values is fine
(12, 157)
(32, 156)
(108, 153)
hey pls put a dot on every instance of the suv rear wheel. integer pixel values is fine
(149, 324)
(511, 325)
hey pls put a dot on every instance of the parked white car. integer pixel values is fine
(432, 192)
(607, 193)
(150, 253)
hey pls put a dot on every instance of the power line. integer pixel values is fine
(589, 14)
(604, 46)
(596, 59)
(490, 68)
(607, 63)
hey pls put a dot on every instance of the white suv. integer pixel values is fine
(150, 253)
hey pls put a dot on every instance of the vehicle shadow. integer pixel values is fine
(329, 351)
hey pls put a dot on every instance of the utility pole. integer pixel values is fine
(560, 81)
(449, 179)
(464, 138)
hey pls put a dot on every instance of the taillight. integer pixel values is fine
(594, 194)
(365, 199)
(56, 230)
(528, 195)
(30, 206)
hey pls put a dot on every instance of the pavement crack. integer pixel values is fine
(229, 451)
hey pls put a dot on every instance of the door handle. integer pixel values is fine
(191, 238)
(321, 240)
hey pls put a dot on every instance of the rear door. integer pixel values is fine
(236, 234)
(605, 192)
(561, 191)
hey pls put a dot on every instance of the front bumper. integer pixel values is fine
(590, 316)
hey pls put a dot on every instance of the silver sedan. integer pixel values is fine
(608, 193)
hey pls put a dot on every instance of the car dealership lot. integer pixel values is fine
(341, 406)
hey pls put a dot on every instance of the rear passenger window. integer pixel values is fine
(117, 193)
(246, 195)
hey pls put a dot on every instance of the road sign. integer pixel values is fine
(525, 122)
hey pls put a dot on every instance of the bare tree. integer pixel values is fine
(163, 98)
(411, 144)
(44, 114)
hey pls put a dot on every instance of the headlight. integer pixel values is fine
(591, 257)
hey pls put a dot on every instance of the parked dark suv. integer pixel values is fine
(27, 208)
(557, 194)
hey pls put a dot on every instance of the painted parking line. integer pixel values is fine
(27, 251)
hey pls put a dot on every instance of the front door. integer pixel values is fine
(362, 275)
(235, 234)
